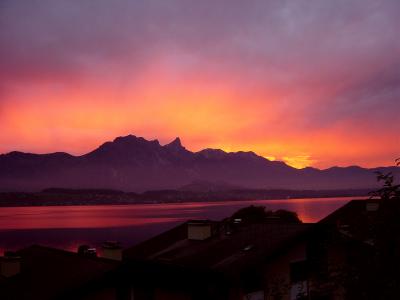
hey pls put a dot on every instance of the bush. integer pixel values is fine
(257, 214)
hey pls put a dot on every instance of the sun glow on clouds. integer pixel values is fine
(81, 120)
(202, 115)
(299, 161)
(286, 80)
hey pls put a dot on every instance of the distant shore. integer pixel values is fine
(65, 197)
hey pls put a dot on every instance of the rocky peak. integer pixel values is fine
(175, 145)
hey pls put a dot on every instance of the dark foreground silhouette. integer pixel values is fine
(255, 254)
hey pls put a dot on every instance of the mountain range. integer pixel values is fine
(133, 163)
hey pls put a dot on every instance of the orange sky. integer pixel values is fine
(317, 88)
(204, 116)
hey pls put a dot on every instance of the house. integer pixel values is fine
(369, 267)
(201, 259)
(273, 259)
(45, 273)
(218, 260)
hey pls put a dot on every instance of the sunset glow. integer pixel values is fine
(306, 89)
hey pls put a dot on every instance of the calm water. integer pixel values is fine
(69, 226)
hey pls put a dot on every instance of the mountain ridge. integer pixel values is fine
(132, 163)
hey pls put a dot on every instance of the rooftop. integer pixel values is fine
(226, 250)
(48, 273)
(353, 218)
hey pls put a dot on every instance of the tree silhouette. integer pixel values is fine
(257, 214)
(389, 190)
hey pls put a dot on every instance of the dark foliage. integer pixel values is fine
(255, 214)
(285, 215)
(389, 190)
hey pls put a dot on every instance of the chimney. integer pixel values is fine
(199, 230)
(10, 264)
(112, 250)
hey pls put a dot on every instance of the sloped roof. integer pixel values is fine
(48, 273)
(347, 211)
(353, 219)
(247, 245)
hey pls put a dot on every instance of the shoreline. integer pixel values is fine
(93, 198)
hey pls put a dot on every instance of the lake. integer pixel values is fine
(67, 227)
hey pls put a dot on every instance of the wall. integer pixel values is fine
(277, 273)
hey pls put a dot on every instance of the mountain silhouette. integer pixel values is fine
(133, 163)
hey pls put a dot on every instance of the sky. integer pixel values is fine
(310, 82)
